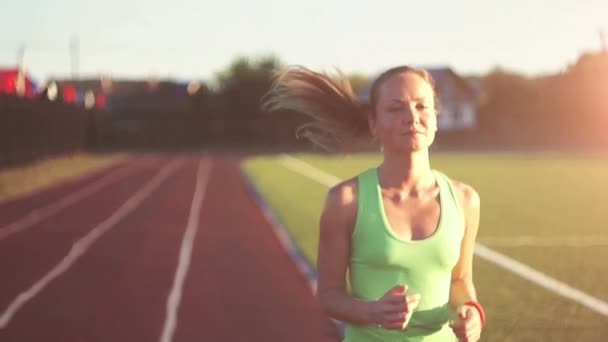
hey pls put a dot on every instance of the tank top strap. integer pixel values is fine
(367, 190)
(445, 183)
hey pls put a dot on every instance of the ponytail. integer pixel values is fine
(339, 117)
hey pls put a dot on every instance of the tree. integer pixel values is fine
(241, 86)
(358, 81)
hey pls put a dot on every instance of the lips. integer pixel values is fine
(411, 132)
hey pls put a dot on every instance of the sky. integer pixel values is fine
(195, 39)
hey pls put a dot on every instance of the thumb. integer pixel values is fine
(463, 312)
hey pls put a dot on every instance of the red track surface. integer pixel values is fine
(240, 286)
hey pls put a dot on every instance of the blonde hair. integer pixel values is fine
(339, 116)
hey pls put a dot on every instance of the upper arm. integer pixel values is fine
(470, 205)
(336, 226)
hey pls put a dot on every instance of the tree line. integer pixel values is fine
(564, 110)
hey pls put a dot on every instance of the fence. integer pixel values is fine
(34, 128)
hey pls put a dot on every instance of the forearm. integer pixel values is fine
(341, 306)
(461, 291)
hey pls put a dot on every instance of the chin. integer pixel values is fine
(407, 149)
(415, 145)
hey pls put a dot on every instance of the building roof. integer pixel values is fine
(441, 76)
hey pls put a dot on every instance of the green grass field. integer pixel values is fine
(547, 211)
(25, 178)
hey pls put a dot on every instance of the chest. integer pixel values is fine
(411, 218)
(407, 235)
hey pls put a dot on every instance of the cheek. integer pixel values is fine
(384, 125)
(430, 122)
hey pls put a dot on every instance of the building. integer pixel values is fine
(458, 99)
(16, 82)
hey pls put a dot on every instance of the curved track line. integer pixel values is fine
(81, 246)
(39, 214)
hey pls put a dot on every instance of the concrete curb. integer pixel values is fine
(298, 258)
(295, 254)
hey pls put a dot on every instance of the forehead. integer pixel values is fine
(406, 85)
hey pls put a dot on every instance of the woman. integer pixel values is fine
(404, 231)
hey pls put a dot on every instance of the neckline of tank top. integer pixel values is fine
(389, 229)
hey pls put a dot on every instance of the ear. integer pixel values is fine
(371, 120)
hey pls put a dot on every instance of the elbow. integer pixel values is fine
(462, 278)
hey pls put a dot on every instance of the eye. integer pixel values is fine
(394, 108)
(421, 106)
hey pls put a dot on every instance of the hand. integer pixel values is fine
(395, 308)
(468, 325)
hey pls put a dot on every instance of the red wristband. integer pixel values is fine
(482, 314)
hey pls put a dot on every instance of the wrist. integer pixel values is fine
(370, 312)
(477, 306)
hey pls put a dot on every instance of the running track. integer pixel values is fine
(157, 248)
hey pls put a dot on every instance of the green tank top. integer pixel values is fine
(380, 260)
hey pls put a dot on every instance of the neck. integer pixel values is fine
(406, 173)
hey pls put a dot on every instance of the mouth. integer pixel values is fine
(410, 132)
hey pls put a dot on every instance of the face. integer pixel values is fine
(405, 119)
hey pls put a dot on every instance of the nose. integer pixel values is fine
(410, 115)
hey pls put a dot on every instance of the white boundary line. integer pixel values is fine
(185, 252)
(82, 245)
(40, 214)
(121, 162)
(481, 251)
(550, 241)
(295, 254)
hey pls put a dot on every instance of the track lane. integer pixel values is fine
(242, 285)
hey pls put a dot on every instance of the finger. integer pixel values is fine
(471, 325)
(470, 336)
(394, 307)
(462, 312)
(413, 298)
(393, 317)
(398, 289)
(408, 303)
(412, 302)
(397, 325)
(469, 313)
(394, 299)
(397, 306)
(457, 325)
(458, 330)
(459, 335)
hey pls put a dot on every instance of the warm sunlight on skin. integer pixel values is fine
(406, 119)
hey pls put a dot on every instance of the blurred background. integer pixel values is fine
(523, 87)
(79, 75)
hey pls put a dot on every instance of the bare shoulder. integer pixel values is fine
(342, 194)
(470, 205)
(341, 203)
(468, 196)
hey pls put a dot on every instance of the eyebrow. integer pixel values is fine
(418, 99)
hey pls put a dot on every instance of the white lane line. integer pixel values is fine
(308, 170)
(120, 163)
(481, 251)
(80, 247)
(542, 279)
(185, 253)
(545, 241)
(40, 214)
